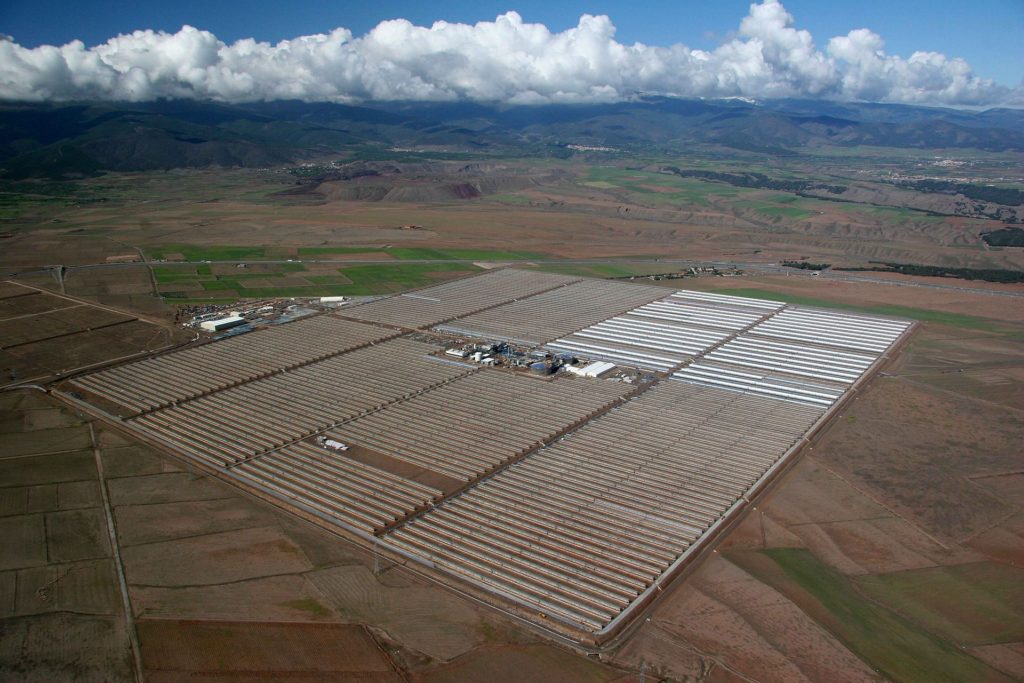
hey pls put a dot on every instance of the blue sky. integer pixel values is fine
(989, 34)
(527, 52)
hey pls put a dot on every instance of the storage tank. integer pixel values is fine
(540, 368)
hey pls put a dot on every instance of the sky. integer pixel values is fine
(925, 52)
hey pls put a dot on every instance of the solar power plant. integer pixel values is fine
(570, 500)
(803, 355)
(429, 306)
(163, 380)
(579, 530)
(584, 529)
(543, 317)
(664, 333)
(228, 426)
(467, 427)
(349, 493)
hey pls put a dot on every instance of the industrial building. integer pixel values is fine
(224, 323)
(571, 496)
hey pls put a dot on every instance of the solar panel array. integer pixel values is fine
(543, 317)
(802, 355)
(346, 491)
(579, 529)
(571, 497)
(237, 423)
(662, 334)
(157, 382)
(844, 331)
(470, 426)
(429, 306)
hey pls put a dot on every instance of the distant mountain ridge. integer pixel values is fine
(61, 140)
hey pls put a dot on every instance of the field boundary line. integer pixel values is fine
(129, 616)
(873, 499)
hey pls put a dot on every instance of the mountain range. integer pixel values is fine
(79, 139)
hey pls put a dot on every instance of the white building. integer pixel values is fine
(222, 323)
(596, 369)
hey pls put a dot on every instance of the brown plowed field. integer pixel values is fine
(45, 334)
(172, 650)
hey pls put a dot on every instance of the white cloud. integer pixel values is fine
(504, 60)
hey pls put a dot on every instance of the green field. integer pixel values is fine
(354, 280)
(382, 279)
(892, 213)
(193, 253)
(973, 604)
(424, 253)
(674, 189)
(900, 649)
(509, 199)
(327, 251)
(780, 206)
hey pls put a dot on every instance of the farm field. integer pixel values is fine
(43, 335)
(554, 210)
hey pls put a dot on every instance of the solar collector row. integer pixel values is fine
(543, 317)
(664, 333)
(236, 423)
(758, 383)
(792, 359)
(580, 528)
(802, 355)
(697, 314)
(631, 341)
(344, 490)
(859, 333)
(741, 302)
(432, 305)
(473, 424)
(155, 382)
(617, 354)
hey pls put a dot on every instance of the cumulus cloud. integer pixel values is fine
(505, 60)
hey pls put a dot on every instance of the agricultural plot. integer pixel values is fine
(543, 317)
(433, 305)
(43, 334)
(58, 323)
(29, 303)
(256, 279)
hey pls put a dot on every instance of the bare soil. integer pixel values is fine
(181, 649)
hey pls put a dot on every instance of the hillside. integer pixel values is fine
(82, 139)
